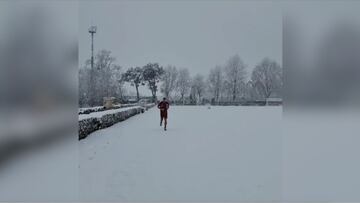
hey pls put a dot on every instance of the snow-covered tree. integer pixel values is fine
(117, 82)
(215, 82)
(250, 92)
(135, 77)
(169, 80)
(104, 64)
(84, 81)
(235, 70)
(267, 77)
(198, 86)
(152, 74)
(104, 80)
(183, 83)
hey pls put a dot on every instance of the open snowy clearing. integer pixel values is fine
(217, 154)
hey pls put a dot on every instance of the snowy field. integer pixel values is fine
(238, 154)
(218, 154)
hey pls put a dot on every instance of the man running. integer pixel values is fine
(163, 106)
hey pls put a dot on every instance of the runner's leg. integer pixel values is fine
(161, 118)
(165, 118)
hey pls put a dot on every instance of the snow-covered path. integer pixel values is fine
(217, 154)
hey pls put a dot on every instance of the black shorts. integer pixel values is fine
(163, 114)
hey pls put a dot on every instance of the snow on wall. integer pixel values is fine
(89, 123)
(89, 110)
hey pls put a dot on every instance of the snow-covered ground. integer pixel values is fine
(321, 161)
(218, 154)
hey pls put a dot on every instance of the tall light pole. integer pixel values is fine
(92, 31)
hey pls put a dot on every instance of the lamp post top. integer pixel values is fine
(92, 29)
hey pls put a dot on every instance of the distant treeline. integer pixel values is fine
(224, 85)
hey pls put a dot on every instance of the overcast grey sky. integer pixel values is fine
(193, 34)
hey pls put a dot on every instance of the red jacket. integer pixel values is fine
(163, 105)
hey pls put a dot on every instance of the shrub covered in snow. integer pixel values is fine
(102, 108)
(99, 120)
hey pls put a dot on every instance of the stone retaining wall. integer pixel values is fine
(89, 125)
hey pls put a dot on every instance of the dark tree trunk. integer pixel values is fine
(137, 92)
(154, 96)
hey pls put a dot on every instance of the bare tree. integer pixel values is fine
(183, 83)
(169, 80)
(267, 77)
(235, 74)
(215, 82)
(198, 86)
